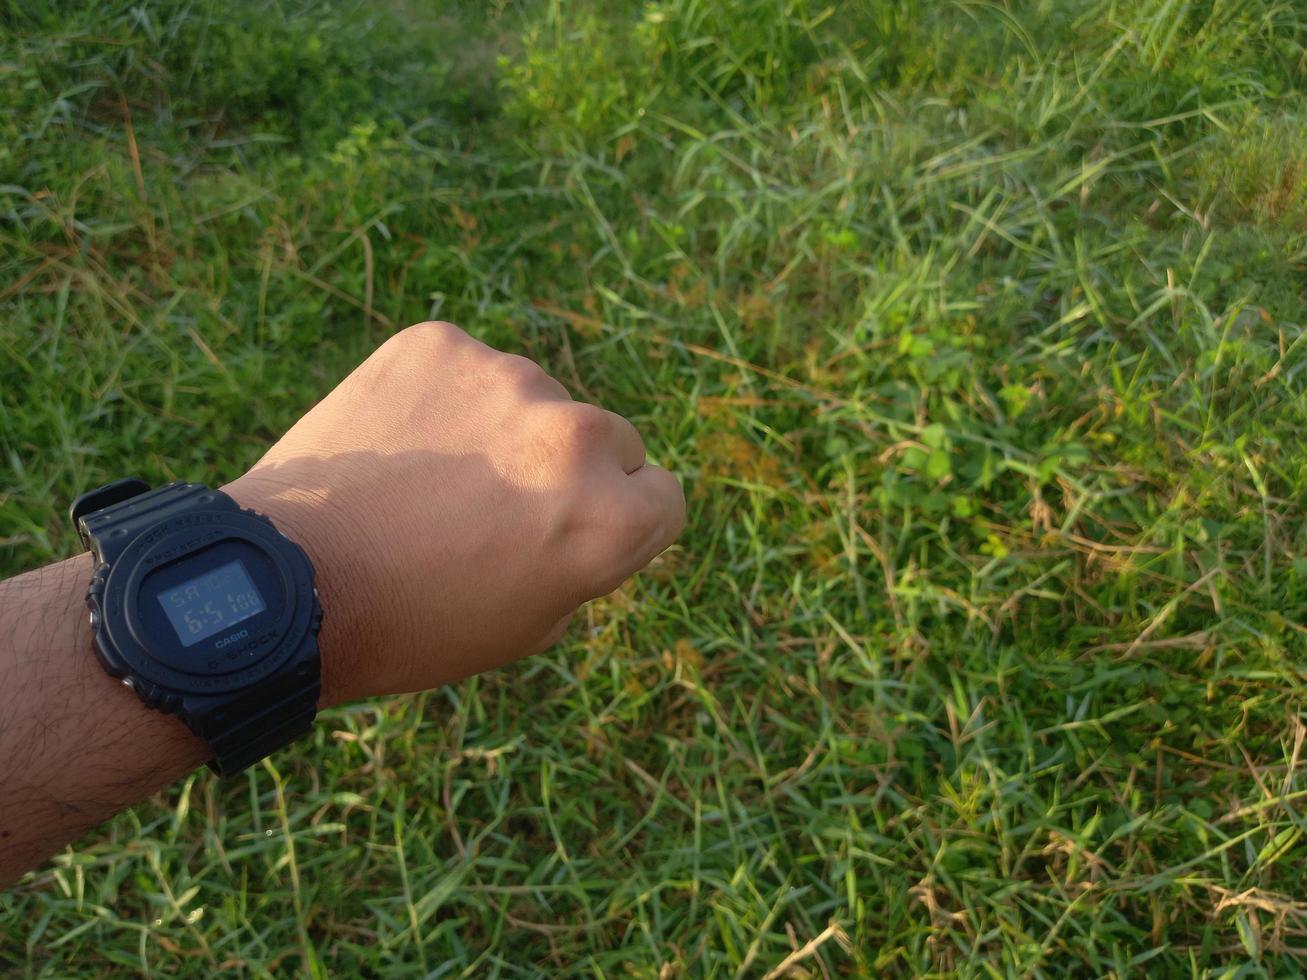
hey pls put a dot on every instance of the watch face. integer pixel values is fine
(210, 612)
(206, 602)
(212, 602)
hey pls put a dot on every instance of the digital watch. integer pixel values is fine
(206, 611)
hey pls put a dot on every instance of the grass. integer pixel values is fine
(976, 332)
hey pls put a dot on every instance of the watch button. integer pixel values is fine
(95, 619)
(98, 579)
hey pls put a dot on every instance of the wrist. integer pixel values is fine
(305, 517)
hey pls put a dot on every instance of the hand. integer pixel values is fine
(458, 507)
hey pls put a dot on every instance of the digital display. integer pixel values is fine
(212, 602)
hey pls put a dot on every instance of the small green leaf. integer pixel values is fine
(914, 458)
(934, 435)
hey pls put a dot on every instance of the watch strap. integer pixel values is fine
(109, 529)
(240, 728)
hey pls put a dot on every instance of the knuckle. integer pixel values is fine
(421, 338)
(438, 328)
(626, 528)
(579, 427)
(587, 423)
(642, 515)
(673, 514)
(680, 517)
(521, 371)
(613, 535)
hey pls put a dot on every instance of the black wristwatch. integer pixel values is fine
(206, 611)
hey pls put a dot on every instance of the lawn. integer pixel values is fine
(977, 333)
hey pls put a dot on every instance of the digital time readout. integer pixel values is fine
(210, 603)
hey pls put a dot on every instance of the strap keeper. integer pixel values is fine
(102, 497)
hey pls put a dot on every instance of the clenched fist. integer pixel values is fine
(458, 507)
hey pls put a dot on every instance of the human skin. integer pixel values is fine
(458, 507)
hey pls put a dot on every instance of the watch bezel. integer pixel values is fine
(172, 540)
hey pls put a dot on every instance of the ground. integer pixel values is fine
(976, 333)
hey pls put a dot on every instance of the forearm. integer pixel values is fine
(76, 746)
(457, 507)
